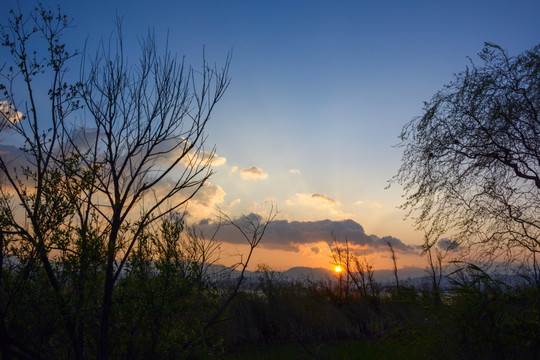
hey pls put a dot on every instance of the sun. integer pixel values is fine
(337, 269)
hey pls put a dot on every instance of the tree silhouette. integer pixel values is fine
(471, 161)
(85, 193)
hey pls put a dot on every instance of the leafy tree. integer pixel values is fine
(471, 161)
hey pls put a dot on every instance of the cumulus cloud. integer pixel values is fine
(291, 235)
(253, 173)
(203, 204)
(235, 202)
(295, 171)
(175, 147)
(196, 158)
(8, 113)
(219, 160)
(199, 206)
(315, 205)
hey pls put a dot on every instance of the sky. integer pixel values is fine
(319, 93)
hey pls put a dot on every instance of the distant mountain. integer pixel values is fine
(414, 276)
(301, 273)
(406, 273)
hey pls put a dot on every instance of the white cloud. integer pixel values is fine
(317, 206)
(196, 158)
(235, 202)
(168, 151)
(219, 160)
(9, 113)
(295, 171)
(314, 200)
(253, 173)
(375, 205)
(203, 204)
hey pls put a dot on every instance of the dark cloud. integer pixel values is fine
(323, 197)
(13, 157)
(83, 137)
(287, 235)
(447, 244)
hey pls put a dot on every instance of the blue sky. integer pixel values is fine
(320, 91)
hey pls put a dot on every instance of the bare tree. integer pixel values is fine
(364, 279)
(343, 256)
(358, 269)
(74, 187)
(252, 228)
(471, 161)
(438, 261)
(394, 262)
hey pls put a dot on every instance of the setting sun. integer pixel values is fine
(337, 269)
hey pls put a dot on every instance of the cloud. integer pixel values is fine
(196, 158)
(291, 235)
(200, 206)
(84, 137)
(325, 198)
(294, 171)
(253, 173)
(9, 114)
(317, 205)
(313, 200)
(447, 244)
(169, 150)
(235, 202)
(13, 157)
(219, 160)
(203, 204)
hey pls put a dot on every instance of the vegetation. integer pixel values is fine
(477, 316)
(96, 260)
(160, 311)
